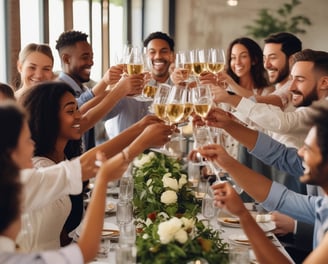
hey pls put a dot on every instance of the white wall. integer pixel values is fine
(207, 23)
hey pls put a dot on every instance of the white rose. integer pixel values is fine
(183, 180)
(145, 236)
(188, 223)
(181, 236)
(143, 160)
(169, 197)
(168, 229)
(170, 182)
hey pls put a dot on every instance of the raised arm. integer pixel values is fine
(128, 85)
(265, 251)
(133, 137)
(222, 119)
(246, 178)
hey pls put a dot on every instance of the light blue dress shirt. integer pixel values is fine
(305, 208)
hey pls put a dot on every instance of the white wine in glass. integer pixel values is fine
(135, 64)
(202, 100)
(216, 60)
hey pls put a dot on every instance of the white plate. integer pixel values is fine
(242, 239)
(266, 226)
(109, 229)
(229, 221)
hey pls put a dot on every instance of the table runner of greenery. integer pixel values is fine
(166, 214)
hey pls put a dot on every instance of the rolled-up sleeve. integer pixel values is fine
(300, 207)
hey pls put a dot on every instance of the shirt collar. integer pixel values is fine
(71, 82)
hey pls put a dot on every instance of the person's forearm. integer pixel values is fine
(105, 105)
(243, 134)
(248, 179)
(265, 251)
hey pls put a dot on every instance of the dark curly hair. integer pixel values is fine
(257, 68)
(159, 35)
(42, 102)
(10, 187)
(69, 38)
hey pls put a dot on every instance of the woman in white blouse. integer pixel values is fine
(36, 188)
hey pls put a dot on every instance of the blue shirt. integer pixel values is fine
(82, 94)
(305, 208)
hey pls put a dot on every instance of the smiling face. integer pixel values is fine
(36, 68)
(304, 84)
(23, 153)
(161, 56)
(316, 170)
(240, 60)
(275, 63)
(69, 118)
(78, 61)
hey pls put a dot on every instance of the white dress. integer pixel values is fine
(45, 222)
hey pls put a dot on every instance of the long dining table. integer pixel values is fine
(228, 231)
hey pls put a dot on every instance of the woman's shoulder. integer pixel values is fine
(40, 162)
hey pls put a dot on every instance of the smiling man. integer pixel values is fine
(310, 163)
(160, 51)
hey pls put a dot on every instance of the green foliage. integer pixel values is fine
(269, 22)
(149, 171)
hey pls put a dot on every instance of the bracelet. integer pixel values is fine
(125, 155)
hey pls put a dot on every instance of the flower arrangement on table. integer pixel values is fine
(166, 212)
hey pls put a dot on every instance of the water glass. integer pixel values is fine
(127, 234)
(124, 212)
(104, 247)
(126, 254)
(238, 255)
(126, 189)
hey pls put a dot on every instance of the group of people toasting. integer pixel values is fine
(45, 160)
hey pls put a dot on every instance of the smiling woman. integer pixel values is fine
(35, 63)
(55, 129)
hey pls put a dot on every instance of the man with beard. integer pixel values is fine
(160, 51)
(309, 81)
(310, 163)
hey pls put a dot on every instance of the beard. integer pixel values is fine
(309, 99)
(283, 74)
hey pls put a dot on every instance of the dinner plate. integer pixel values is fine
(234, 222)
(242, 239)
(110, 230)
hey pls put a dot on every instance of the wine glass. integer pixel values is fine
(216, 60)
(198, 59)
(183, 64)
(122, 56)
(202, 100)
(135, 63)
(209, 210)
(158, 107)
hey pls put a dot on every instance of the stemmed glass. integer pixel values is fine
(135, 63)
(158, 107)
(216, 60)
(202, 100)
(209, 210)
(198, 59)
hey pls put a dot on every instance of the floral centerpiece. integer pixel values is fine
(166, 212)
